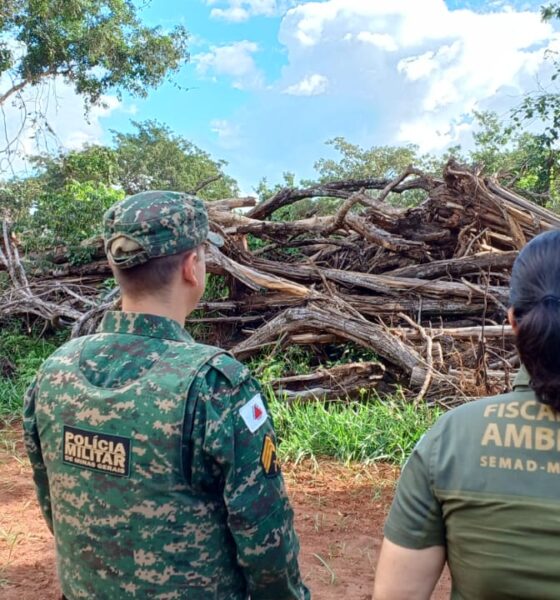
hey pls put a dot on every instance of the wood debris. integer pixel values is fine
(425, 289)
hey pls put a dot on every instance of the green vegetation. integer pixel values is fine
(21, 354)
(95, 46)
(374, 430)
(67, 216)
(366, 431)
(363, 430)
(522, 161)
(63, 203)
(153, 157)
(541, 109)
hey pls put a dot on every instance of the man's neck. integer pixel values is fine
(152, 307)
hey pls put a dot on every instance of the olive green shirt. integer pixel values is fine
(485, 483)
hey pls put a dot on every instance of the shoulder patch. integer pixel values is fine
(269, 458)
(254, 413)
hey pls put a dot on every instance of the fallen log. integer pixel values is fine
(345, 327)
(458, 333)
(425, 288)
(337, 383)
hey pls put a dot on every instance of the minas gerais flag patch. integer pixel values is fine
(254, 413)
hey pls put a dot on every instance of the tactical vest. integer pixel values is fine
(127, 523)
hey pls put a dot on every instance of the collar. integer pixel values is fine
(522, 379)
(143, 324)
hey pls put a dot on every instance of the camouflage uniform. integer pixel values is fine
(154, 457)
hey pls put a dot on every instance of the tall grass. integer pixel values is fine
(370, 429)
(374, 430)
(24, 353)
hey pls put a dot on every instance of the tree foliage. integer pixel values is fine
(542, 108)
(521, 160)
(356, 162)
(64, 201)
(67, 217)
(94, 163)
(95, 45)
(153, 157)
(550, 11)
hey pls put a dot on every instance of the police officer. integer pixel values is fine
(481, 491)
(154, 457)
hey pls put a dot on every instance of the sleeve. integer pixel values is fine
(240, 437)
(415, 520)
(33, 448)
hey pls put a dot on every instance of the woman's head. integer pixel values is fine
(535, 308)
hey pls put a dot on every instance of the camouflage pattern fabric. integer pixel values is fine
(155, 482)
(155, 224)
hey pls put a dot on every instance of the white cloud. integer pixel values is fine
(64, 125)
(234, 14)
(233, 60)
(228, 133)
(238, 11)
(418, 67)
(313, 85)
(381, 40)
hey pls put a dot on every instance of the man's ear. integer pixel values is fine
(189, 268)
(512, 320)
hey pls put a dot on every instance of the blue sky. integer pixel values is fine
(270, 81)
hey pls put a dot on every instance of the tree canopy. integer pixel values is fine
(96, 46)
(542, 107)
(153, 157)
(521, 160)
(64, 201)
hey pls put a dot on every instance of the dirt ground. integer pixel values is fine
(339, 517)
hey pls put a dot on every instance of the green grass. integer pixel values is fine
(25, 353)
(373, 430)
(368, 430)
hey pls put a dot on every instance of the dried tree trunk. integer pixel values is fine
(424, 288)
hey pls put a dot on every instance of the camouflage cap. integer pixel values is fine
(154, 224)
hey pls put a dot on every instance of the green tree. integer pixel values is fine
(353, 162)
(63, 202)
(153, 157)
(356, 162)
(96, 46)
(542, 107)
(93, 163)
(382, 162)
(67, 216)
(19, 196)
(521, 160)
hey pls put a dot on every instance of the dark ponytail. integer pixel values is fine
(535, 298)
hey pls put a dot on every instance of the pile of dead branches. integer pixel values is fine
(424, 288)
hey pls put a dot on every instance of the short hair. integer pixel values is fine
(151, 278)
